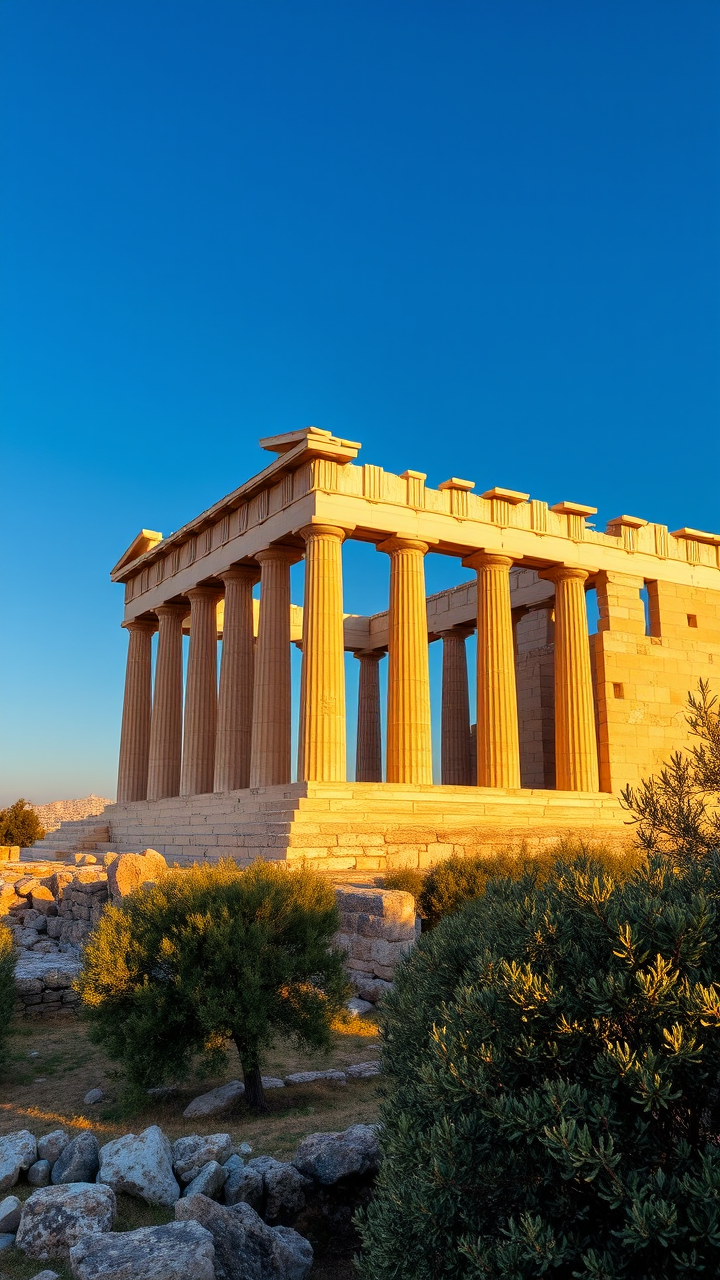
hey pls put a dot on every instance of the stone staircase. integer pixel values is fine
(342, 828)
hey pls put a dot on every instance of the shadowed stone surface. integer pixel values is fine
(78, 1161)
(177, 1251)
(216, 1102)
(10, 1209)
(245, 1185)
(39, 1173)
(245, 1247)
(209, 1181)
(55, 1218)
(284, 1187)
(327, 1157)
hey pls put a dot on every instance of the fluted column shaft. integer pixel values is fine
(198, 763)
(498, 741)
(235, 700)
(368, 755)
(270, 752)
(409, 743)
(166, 728)
(322, 692)
(576, 754)
(455, 736)
(137, 703)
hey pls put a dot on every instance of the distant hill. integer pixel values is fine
(51, 815)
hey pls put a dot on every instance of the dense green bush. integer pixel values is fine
(552, 1058)
(458, 879)
(19, 824)
(208, 956)
(7, 986)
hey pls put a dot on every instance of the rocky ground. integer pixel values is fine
(54, 1068)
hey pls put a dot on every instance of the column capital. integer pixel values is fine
(280, 555)
(203, 593)
(396, 543)
(331, 532)
(369, 655)
(240, 573)
(564, 573)
(141, 624)
(488, 560)
(172, 611)
(455, 633)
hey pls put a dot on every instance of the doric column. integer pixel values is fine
(322, 692)
(135, 733)
(270, 753)
(455, 737)
(576, 755)
(368, 755)
(409, 743)
(498, 745)
(198, 763)
(166, 729)
(235, 700)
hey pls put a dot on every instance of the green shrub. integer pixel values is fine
(408, 879)
(20, 825)
(208, 956)
(552, 1059)
(459, 879)
(7, 986)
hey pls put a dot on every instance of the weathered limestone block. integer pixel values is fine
(177, 1251)
(131, 870)
(245, 1246)
(17, 1152)
(328, 1157)
(55, 1218)
(140, 1166)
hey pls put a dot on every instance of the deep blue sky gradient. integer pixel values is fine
(481, 237)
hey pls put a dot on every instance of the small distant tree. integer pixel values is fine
(19, 824)
(212, 955)
(677, 811)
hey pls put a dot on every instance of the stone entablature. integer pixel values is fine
(557, 710)
(316, 478)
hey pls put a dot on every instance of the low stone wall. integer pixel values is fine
(378, 927)
(51, 913)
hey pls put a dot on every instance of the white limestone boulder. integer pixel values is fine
(38, 1175)
(216, 1102)
(196, 1150)
(328, 1157)
(141, 1166)
(363, 1070)
(17, 1152)
(245, 1247)
(177, 1251)
(53, 1219)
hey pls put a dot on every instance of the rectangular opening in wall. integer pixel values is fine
(618, 691)
(692, 619)
(649, 595)
(593, 613)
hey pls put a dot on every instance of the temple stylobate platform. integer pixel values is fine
(563, 719)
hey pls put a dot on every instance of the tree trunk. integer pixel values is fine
(254, 1092)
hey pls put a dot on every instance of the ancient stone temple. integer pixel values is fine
(563, 719)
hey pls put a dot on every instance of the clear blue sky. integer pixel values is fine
(480, 236)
